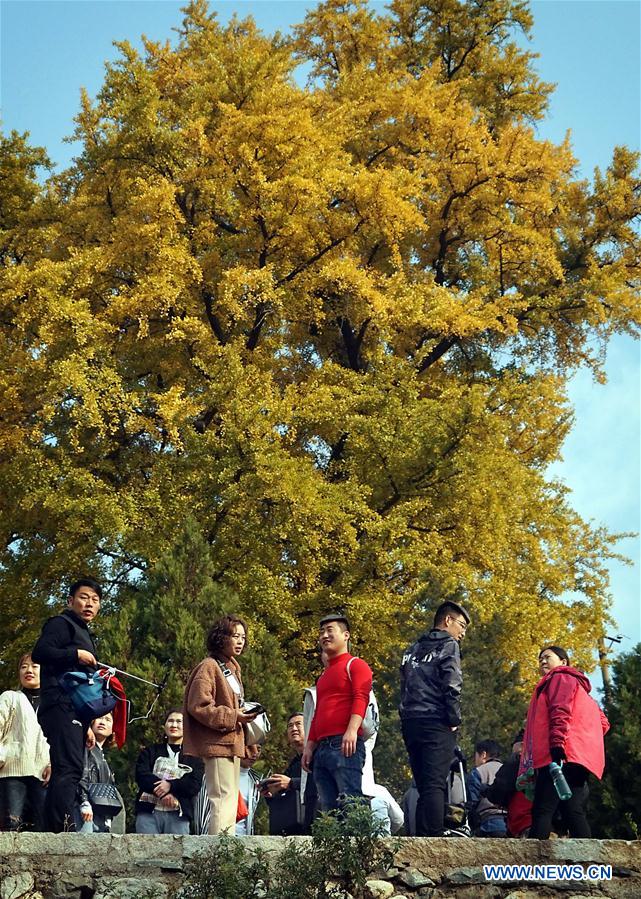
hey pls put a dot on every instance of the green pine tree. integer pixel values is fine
(159, 626)
(615, 802)
(494, 699)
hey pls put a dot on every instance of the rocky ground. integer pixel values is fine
(65, 866)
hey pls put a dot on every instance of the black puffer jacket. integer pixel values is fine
(431, 679)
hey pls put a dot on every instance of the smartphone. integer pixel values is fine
(264, 781)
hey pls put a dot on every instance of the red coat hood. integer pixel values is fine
(583, 680)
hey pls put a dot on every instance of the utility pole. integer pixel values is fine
(604, 664)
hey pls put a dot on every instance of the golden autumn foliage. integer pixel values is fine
(332, 324)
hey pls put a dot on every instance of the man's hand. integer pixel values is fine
(245, 717)
(170, 802)
(278, 783)
(46, 774)
(161, 788)
(306, 759)
(86, 658)
(90, 742)
(348, 745)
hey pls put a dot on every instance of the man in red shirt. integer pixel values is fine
(335, 749)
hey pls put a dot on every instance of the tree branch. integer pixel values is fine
(212, 318)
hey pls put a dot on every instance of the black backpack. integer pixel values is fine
(504, 785)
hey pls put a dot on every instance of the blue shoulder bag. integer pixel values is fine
(89, 692)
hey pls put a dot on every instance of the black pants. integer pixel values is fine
(21, 802)
(66, 735)
(430, 746)
(572, 810)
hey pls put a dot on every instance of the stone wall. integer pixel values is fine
(64, 866)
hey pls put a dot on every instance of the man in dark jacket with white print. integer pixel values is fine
(430, 711)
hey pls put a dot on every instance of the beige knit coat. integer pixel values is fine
(24, 752)
(210, 714)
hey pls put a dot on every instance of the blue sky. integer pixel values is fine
(589, 48)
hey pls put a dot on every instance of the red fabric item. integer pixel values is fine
(242, 811)
(562, 713)
(338, 696)
(519, 814)
(120, 711)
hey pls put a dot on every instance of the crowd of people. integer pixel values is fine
(200, 778)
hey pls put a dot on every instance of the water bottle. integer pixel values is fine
(559, 781)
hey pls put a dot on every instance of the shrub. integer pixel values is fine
(227, 871)
(344, 849)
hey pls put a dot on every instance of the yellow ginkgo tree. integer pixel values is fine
(331, 323)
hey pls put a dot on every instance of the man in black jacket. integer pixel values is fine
(430, 711)
(290, 813)
(64, 645)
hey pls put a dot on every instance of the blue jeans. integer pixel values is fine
(18, 794)
(98, 825)
(381, 815)
(493, 827)
(336, 776)
(162, 822)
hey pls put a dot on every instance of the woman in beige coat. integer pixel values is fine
(24, 752)
(213, 719)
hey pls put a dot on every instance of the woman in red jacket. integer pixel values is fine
(564, 725)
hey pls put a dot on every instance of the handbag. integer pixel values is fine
(90, 693)
(256, 731)
(104, 798)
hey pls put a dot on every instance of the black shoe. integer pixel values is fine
(463, 831)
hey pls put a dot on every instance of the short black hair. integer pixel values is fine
(338, 617)
(558, 651)
(492, 748)
(85, 582)
(295, 715)
(449, 608)
(176, 710)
